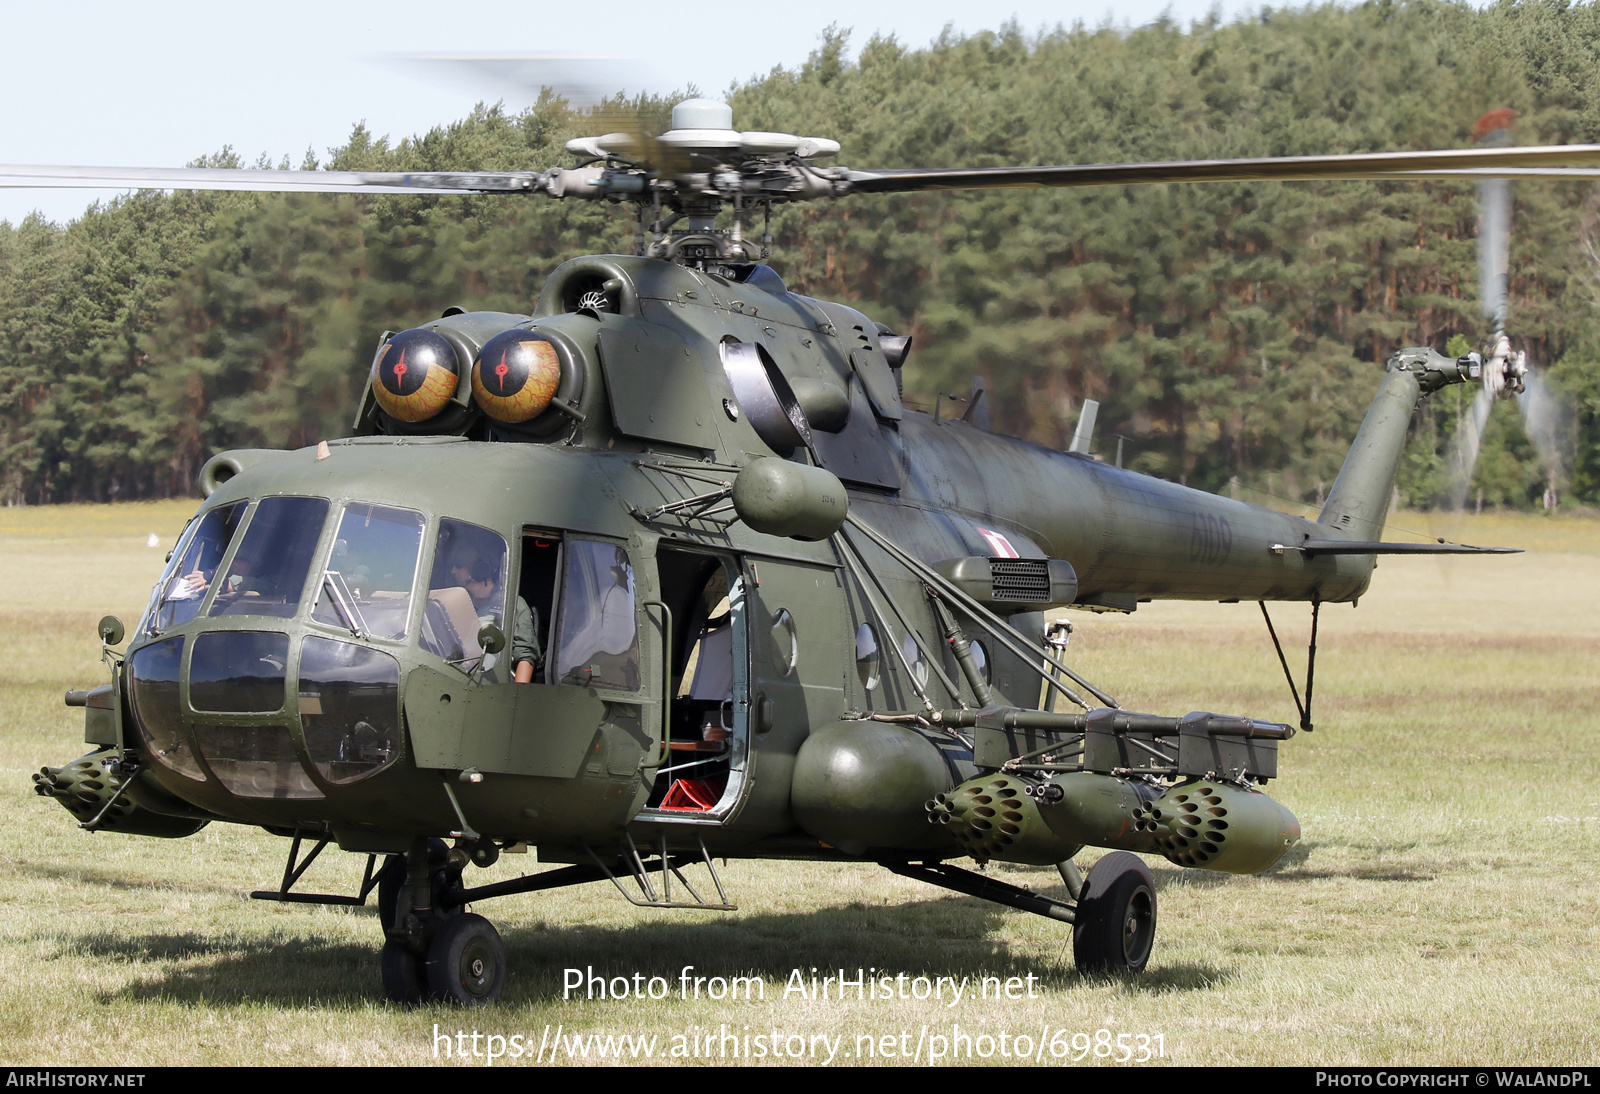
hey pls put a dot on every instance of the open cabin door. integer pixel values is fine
(705, 703)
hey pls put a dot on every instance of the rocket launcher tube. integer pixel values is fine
(1203, 824)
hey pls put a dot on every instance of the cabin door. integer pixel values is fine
(706, 700)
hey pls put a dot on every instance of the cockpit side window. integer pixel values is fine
(267, 575)
(372, 565)
(599, 633)
(194, 568)
(466, 590)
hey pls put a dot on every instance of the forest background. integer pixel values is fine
(1230, 331)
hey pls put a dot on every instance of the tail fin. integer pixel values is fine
(1359, 501)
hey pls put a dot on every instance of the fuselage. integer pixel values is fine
(321, 653)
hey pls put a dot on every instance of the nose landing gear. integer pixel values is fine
(435, 951)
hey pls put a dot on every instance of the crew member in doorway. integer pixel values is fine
(481, 579)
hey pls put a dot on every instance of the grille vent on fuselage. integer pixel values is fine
(1024, 580)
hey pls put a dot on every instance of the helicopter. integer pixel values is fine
(665, 571)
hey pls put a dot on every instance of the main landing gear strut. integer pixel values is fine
(1113, 915)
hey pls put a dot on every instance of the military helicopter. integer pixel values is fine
(665, 571)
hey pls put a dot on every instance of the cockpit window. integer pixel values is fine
(268, 573)
(194, 568)
(366, 585)
(466, 590)
(599, 635)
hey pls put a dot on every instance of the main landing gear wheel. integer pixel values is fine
(402, 974)
(466, 962)
(1116, 917)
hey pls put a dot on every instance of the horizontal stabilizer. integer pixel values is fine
(1349, 547)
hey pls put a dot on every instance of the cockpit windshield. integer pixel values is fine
(194, 568)
(268, 573)
(366, 584)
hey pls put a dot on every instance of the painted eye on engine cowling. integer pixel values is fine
(515, 376)
(416, 375)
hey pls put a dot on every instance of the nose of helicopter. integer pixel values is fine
(265, 678)
(265, 717)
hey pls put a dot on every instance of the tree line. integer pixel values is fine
(1232, 332)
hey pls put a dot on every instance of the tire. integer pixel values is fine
(466, 962)
(1115, 926)
(402, 974)
(390, 879)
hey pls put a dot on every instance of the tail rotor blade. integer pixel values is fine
(1464, 449)
(1549, 423)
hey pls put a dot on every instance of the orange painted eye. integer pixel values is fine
(516, 376)
(416, 375)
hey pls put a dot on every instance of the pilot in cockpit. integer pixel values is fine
(480, 577)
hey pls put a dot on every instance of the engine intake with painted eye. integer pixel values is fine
(415, 375)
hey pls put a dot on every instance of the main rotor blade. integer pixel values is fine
(1477, 162)
(583, 81)
(1493, 130)
(1550, 423)
(1494, 246)
(314, 182)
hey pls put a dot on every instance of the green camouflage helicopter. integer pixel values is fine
(665, 572)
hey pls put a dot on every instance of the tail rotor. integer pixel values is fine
(1505, 372)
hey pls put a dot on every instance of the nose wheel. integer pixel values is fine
(402, 974)
(466, 962)
(465, 965)
(1115, 924)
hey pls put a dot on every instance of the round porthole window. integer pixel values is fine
(913, 655)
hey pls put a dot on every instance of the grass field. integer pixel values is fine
(1443, 906)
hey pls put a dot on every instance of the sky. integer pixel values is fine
(162, 82)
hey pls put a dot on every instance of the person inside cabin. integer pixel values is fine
(480, 577)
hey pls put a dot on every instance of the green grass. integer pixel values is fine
(1440, 909)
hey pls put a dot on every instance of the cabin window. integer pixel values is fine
(913, 655)
(466, 591)
(785, 643)
(599, 644)
(980, 658)
(867, 656)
